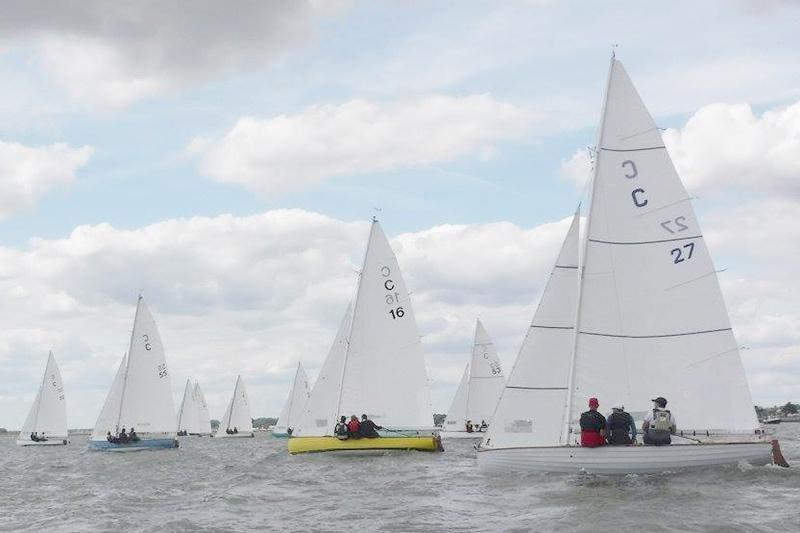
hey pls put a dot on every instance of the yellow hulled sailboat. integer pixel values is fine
(375, 367)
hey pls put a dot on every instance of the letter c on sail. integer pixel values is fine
(634, 171)
(639, 202)
(388, 285)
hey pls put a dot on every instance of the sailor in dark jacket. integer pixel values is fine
(368, 428)
(620, 428)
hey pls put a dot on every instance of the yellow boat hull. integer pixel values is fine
(332, 444)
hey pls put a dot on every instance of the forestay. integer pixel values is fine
(530, 411)
(147, 402)
(384, 368)
(237, 415)
(293, 408)
(457, 414)
(203, 416)
(651, 321)
(48, 413)
(107, 421)
(320, 411)
(188, 416)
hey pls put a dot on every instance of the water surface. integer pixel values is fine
(251, 484)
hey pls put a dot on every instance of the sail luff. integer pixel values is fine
(353, 317)
(598, 154)
(128, 362)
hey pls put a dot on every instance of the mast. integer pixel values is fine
(128, 364)
(39, 396)
(291, 395)
(582, 262)
(353, 318)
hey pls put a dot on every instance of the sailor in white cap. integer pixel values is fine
(621, 430)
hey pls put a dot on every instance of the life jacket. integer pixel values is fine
(659, 430)
(353, 426)
(591, 424)
(619, 426)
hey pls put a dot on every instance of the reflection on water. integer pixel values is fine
(242, 484)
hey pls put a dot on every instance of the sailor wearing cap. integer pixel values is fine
(593, 426)
(659, 424)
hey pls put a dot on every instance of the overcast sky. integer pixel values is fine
(225, 158)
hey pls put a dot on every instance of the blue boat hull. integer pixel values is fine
(144, 444)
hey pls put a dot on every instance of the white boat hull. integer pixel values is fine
(621, 459)
(51, 441)
(476, 435)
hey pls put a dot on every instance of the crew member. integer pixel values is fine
(469, 426)
(484, 426)
(368, 428)
(353, 427)
(621, 430)
(593, 426)
(341, 428)
(659, 424)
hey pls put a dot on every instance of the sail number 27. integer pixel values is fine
(392, 297)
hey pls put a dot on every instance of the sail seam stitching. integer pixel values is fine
(654, 336)
(633, 149)
(647, 242)
(552, 327)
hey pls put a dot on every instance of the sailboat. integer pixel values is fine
(641, 315)
(293, 409)
(46, 423)
(237, 421)
(375, 367)
(203, 416)
(189, 413)
(140, 398)
(477, 394)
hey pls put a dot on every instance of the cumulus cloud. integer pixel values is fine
(358, 137)
(729, 145)
(29, 172)
(247, 294)
(112, 55)
(254, 294)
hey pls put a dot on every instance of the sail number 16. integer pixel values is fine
(392, 297)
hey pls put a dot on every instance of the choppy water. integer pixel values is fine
(251, 484)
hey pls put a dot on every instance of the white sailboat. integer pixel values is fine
(375, 367)
(237, 421)
(189, 412)
(650, 321)
(203, 416)
(293, 409)
(140, 398)
(478, 391)
(46, 423)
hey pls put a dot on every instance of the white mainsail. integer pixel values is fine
(188, 415)
(237, 415)
(320, 411)
(48, 413)
(293, 409)
(147, 402)
(485, 378)
(107, 421)
(384, 368)
(203, 416)
(141, 393)
(476, 399)
(651, 319)
(531, 408)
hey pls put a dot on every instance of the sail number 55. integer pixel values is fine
(392, 297)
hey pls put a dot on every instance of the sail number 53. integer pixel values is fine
(392, 297)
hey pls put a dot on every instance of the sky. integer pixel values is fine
(225, 160)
